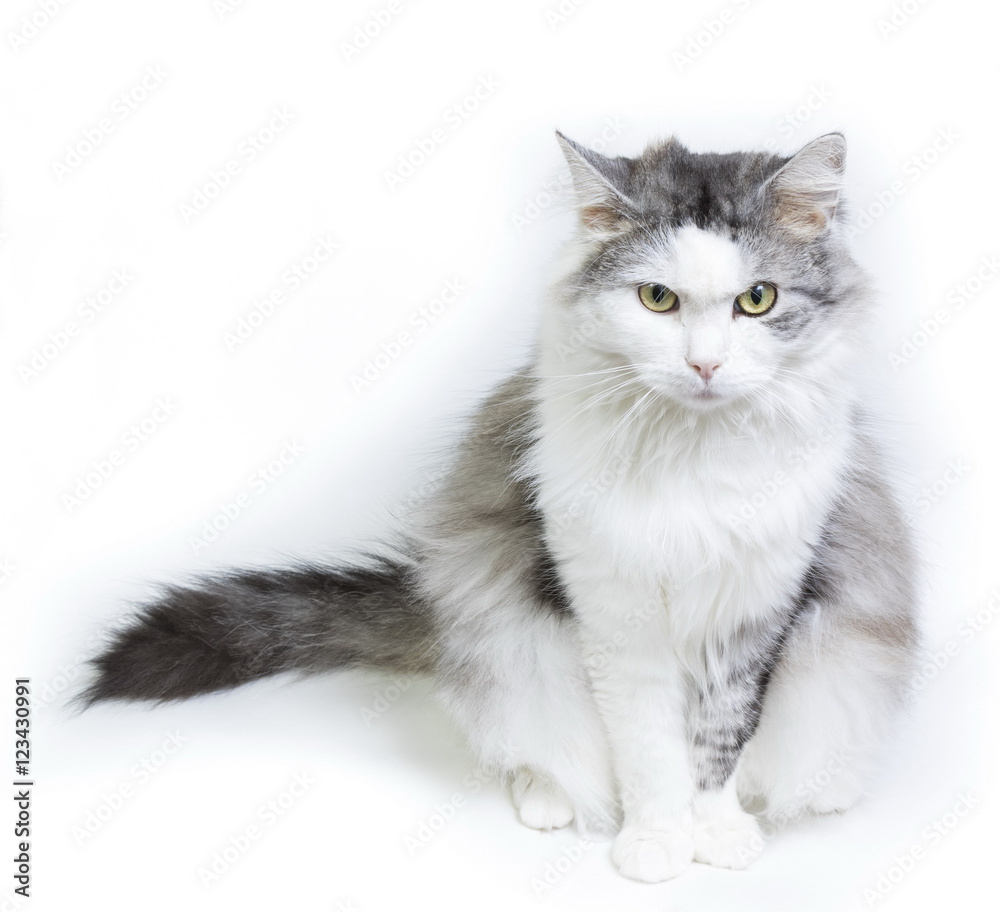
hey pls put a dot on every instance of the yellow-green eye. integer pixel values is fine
(657, 298)
(757, 300)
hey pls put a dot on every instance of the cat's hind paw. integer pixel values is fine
(540, 803)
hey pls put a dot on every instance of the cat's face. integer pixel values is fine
(712, 278)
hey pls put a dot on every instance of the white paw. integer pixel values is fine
(540, 803)
(731, 841)
(653, 855)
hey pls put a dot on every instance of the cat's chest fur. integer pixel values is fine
(719, 520)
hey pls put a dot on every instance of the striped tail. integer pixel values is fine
(236, 627)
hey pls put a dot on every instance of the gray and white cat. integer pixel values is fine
(666, 579)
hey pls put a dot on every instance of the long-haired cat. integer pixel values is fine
(665, 580)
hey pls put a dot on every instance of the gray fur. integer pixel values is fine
(239, 626)
(668, 186)
(479, 601)
(859, 593)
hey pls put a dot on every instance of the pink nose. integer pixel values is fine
(706, 367)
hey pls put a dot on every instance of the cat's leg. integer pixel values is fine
(832, 701)
(677, 732)
(640, 689)
(518, 690)
(642, 699)
(725, 709)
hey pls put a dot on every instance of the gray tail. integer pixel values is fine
(240, 626)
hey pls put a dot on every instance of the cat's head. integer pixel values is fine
(711, 278)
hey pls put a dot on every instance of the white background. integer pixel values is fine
(721, 76)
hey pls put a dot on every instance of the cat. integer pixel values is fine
(665, 589)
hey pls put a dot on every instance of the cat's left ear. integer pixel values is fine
(599, 183)
(807, 188)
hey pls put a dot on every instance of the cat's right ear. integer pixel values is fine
(599, 184)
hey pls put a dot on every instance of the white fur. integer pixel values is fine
(536, 718)
(540, 802)
(652, 545)
(642, 471)
(823, 721)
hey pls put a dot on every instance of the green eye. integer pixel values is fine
(757, 300)
(657, 298)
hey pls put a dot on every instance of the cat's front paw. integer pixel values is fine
(653, 855)
(730, 841)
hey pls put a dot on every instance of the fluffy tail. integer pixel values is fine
(236, 627)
